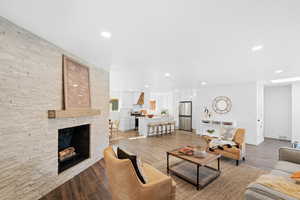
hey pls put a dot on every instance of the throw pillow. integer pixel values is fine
(228, 133)
(133, 158)
(296, 176)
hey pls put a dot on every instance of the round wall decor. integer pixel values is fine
(222, 105)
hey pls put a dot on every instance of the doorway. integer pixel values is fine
(278, 112)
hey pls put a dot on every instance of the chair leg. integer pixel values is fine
(237, 162)
(159, 131)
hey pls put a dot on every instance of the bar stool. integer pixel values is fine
(166, 127)
(172, 127)
(160, 129)
(152, 129)
(169, 128)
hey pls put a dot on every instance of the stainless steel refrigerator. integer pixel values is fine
(185, 115)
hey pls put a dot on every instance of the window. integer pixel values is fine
(114, 104)
(152, 105)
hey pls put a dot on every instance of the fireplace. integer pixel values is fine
(73, 146)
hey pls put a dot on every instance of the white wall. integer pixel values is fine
(296, 112)
(278, 112)
(163, 101)
(126, 98)
(244, 106)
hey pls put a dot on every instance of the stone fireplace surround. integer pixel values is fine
(31, 84)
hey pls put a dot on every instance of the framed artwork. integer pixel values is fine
(114, 104)
(152, 105)
(222, 105)
(76, 80)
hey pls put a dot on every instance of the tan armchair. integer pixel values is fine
(236, 153)
(125, 184)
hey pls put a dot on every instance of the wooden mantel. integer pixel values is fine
(56, 114)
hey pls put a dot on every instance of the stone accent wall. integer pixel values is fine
(30, 85)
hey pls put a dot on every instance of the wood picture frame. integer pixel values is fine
(222, 105)
(76, 85)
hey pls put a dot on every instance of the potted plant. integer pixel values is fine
(164, 112)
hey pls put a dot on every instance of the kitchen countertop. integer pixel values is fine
(144, 121)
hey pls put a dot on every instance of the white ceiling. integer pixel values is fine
(193, 40)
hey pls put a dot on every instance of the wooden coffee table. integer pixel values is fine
(194, 169)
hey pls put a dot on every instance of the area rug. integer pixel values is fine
(230, 185)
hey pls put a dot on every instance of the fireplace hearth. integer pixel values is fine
(73, 146)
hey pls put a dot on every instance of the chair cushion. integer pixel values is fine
(287, 166)
(227, 154)
(133, 158)
(228, 133)
(155, 175)
(152, 173)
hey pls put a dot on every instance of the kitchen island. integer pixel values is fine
(144, 121)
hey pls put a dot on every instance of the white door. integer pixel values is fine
(278, 112)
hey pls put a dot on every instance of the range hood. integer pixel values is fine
(141, 99)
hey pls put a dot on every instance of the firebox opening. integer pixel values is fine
(73, 146)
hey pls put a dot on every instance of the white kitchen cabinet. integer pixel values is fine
(126, 124)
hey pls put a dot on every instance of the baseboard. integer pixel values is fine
(269, 138)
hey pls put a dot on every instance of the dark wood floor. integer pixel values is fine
(92, 184)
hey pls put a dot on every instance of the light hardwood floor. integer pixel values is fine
(263, 156)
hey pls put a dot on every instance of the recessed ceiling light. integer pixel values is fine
(147, 86)
(167, 75)
(278, 71)
(285, 80)
(203, 83)
(106, 34)
(257, 47)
